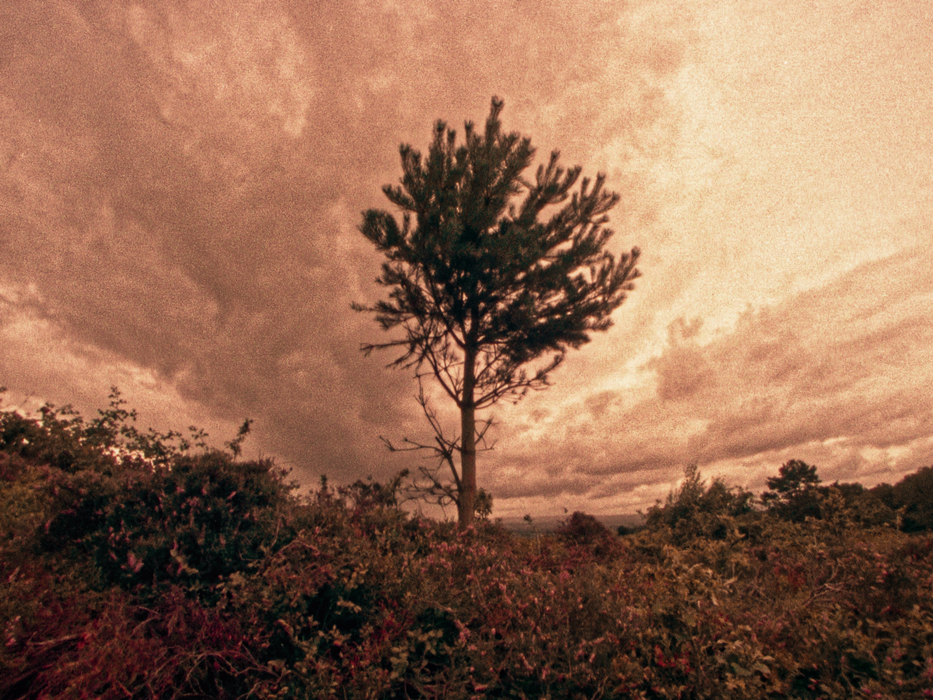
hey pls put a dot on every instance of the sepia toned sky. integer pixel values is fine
(181, 183)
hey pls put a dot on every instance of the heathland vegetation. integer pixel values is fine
(148, 565)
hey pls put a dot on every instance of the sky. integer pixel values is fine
(182, 181)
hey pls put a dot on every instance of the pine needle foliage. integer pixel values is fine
(492, 277)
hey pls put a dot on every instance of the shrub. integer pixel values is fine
(914, 494)
(195, 521)
(107, 646)
(56, 439)
(695, 510)
(583, 530)
(793, 494)
(207, 577)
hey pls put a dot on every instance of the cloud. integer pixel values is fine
(840, 374)
(180, 184)
(842, 362)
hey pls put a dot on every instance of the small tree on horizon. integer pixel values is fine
(793, 493)
(488, 291)
(793, 478)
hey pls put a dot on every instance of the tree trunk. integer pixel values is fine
(467, 496)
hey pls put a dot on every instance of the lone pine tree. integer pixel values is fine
(489, 289)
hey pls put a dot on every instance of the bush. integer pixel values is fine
(193, 522)
(583, 530)
(359, 603)
(697, 511)
(914, 495)
(206, 577)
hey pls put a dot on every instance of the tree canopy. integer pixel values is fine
(793, 493)
(492, 276)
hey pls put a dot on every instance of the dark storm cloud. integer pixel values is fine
(180, 182)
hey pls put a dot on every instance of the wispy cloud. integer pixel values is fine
(839, 373)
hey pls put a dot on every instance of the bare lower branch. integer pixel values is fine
(430, 485)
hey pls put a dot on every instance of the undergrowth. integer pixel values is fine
(176, 575)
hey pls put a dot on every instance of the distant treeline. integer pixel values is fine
(795, 494)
